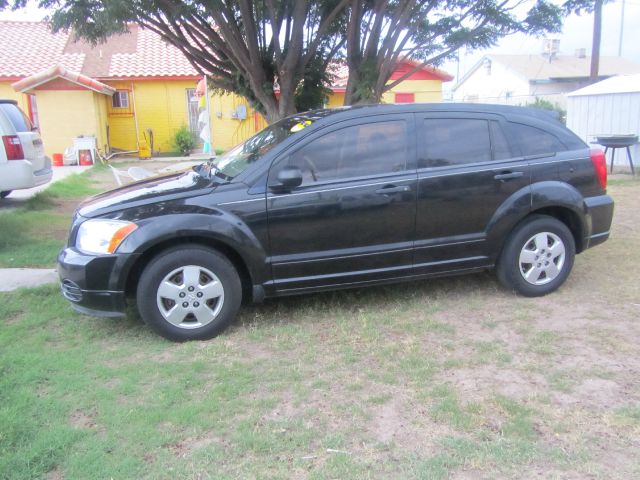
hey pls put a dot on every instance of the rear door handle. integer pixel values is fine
(508, 175)
(390, 189)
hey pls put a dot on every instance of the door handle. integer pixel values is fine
(508, 175)
(391, 189)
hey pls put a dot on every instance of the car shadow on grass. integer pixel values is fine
(299, 310)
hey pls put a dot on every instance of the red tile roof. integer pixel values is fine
(30, 47)
(340, 73)
(53, 73)
(152, 58)
(27, 48)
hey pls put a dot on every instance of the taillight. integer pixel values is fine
(13, 147)
(600, 166)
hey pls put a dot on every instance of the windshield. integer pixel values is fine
(239, 158)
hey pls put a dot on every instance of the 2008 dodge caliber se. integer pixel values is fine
(342, 198)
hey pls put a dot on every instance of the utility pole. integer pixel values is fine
(621, 29)
(595, 48)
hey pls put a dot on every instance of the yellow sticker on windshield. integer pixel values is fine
(299, 126)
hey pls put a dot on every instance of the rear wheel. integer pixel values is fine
(189, 293)
(537, 257)
(5, 194)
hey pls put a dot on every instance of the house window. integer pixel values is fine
(405, 98)
(120, 99)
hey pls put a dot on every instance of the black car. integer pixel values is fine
(342, 198)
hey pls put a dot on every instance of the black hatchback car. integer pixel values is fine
(342, 198)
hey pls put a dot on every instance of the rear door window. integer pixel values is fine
(535, 141)
(454, 141)
(18, 119)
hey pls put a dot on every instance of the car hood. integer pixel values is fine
(151, 190)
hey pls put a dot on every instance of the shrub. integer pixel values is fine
(545, 104)
(183, 141)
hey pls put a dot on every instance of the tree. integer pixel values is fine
(381, 32)
(252, 48)
(276, 52)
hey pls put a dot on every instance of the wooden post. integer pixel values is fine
(595, 49)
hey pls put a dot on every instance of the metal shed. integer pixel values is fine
(609, 107)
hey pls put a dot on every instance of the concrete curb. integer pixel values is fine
(14, 278)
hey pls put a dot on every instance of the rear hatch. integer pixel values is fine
(31, 142)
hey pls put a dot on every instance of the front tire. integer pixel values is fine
(537, 257)
(189, 293)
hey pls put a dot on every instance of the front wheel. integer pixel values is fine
(189, 293)
(537, 257)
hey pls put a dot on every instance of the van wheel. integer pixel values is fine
(5, 194)
(189, 293)
(537, 257)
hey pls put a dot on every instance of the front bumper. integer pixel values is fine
(599, 211)
(94, 284)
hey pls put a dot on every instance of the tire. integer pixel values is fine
(5, 194)
(537, 257)
(189, 293)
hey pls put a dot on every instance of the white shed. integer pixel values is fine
(609, 107)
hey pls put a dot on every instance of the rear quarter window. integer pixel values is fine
(535, 141)
(18, 119)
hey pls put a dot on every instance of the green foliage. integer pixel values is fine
(545, 104)
(243, 55)
(183, 141)
(312, 92)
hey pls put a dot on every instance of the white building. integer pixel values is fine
(519, 79)
(610, 107)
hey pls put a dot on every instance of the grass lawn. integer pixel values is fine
(450, 378)
(32, 235)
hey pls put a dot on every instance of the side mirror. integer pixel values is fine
(288, 178)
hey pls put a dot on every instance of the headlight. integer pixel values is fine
(102, 235)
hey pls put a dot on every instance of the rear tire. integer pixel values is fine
(5, 194)
(189, 293)
(537, 257)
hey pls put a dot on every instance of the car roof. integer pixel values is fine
(365, 110)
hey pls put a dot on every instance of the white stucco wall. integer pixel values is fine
(493, 87)
(504, 86)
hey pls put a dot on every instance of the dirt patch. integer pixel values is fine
(188, 446)
(594, 392)
(387, 421)
(54, 474)
(485, 381)
(82, 420)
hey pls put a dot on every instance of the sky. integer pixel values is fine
(576, 34)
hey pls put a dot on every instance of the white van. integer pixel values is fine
(23, 163)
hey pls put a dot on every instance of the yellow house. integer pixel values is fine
(133, 92)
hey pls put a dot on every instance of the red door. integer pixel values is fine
(405, 98)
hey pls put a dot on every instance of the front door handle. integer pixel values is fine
(508, 176)
(391, 189)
